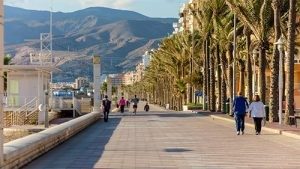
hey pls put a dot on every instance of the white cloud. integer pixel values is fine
(14, 2)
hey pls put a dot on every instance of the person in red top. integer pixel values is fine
(122, 104)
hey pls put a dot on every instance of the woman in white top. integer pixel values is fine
(257, 111)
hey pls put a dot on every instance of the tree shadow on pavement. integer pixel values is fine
(167, 114)
(81, 151)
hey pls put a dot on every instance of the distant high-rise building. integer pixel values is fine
(146, 59)
(81, 82)
(117, 79)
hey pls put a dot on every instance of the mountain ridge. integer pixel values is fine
(119, 36)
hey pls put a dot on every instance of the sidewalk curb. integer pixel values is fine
(288, 134)
(275, 131)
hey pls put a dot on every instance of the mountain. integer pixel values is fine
(121, 37)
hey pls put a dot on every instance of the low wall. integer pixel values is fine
(19, 152)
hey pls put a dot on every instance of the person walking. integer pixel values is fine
(240, 106)
(257, 112)
(146, 107)
(106, 107)
(135, 102)
(122, 104)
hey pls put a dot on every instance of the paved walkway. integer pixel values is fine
(169, 140)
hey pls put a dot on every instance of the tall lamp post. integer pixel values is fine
(279, 44)
(203, 96)
(254, 55)
(45, 109)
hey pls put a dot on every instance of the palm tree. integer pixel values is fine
(274, 107)
(212, 85)
(290, 60)
(203, 15)
(256, 15)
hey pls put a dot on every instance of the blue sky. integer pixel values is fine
(153, 8)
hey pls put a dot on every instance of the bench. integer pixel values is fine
(294, 119)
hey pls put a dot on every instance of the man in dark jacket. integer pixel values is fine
(240, 106)
(106, 107)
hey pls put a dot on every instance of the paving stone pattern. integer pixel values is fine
(170, 140)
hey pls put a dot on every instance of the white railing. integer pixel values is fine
(19, 116)
(63, 104)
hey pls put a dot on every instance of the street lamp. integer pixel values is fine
(254, 55)
(279, 44)
(45, 109)
(203, 96)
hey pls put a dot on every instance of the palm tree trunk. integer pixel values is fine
(190, 90)
(208, 71)
(224, 87)
(249, 64)
(219, 77)
(230, 76)
(262, 72)
(290, 61)
(212, 101)
(205, 77)
(274, 95)
(242, 77)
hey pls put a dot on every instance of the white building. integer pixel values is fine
(81, 82)
(146, 59)
(26, 83)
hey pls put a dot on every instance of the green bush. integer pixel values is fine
(193, 106)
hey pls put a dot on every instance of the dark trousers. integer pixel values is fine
(240, 122)
(106, 112)
(257, 123)
(122, 108)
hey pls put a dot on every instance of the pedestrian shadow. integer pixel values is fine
(82, 150)
(262, 134)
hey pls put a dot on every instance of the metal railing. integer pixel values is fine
(19, 116)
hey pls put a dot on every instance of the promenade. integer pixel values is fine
(169, 140)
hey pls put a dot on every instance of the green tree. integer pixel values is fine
(7, 61)
(104, 87)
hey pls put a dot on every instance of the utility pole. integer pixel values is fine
(1, 79)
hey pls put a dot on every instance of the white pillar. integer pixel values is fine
(46, 109)
(109, 88)
(97, 83)
(74, 103)
(1, 79)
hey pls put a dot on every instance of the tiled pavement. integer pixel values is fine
(169, 140)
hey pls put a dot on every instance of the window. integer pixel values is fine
(13, 98)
